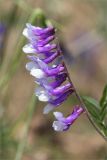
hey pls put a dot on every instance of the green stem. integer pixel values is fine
(83, 105)
(22, 144)
(37, 17)
(11, 18)
(1, 140)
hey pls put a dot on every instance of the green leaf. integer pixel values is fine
(92, 106)
(91, 101)
(101, 126)
(103, 103)
(94, 110)
(103, 99)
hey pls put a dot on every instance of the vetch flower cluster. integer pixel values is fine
(47, 66)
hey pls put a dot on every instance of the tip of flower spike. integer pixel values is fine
(48, 108)
(39, 12)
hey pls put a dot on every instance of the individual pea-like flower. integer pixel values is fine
(47, 66)
(62, 123)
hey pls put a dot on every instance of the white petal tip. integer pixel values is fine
(58, 126)
(28, 48)
(58, 115)
(38, 73)
(48, 108)
(42, 94)
(29, 66)
(43, 98)
(25, 32)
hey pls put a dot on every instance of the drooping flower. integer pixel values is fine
(47, 66)
(62, 123)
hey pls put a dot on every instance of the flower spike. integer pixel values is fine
(47, 66)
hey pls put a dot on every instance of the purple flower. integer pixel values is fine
(2, 28)
(62, 123)
(2, 33)
(47, 66)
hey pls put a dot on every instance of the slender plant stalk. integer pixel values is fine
(36, 17)
(83, 105)
(22, 144)
(11, 18)
(1, 140)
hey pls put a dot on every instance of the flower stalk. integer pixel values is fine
(22, 144)
(16, 59)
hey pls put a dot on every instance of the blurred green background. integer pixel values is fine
(25, 133)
